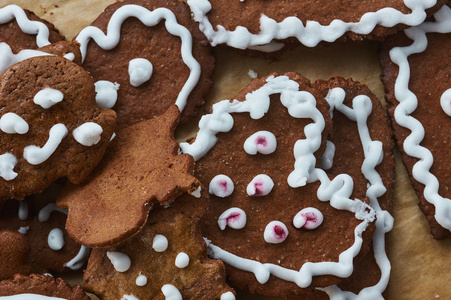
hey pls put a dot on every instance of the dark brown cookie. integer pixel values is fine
(419, 98)
(36, 284)
(141, 167)
(16, 25)
(271, 202)
(262, 24)
(151, 67)
(14, 251)
(50, 125)
(170, 245)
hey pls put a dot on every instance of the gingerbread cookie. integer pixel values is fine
(48, 247)
(261, 24)
(170, 245)
(146, 56)
(287, 224)
(50, 125)
(14, 250)
(141, 167)
(416, 77)
(25, 30)
(40, 287)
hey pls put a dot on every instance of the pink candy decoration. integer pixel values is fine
(233, 217)
(261, 185)
(308, 218)
(275, 232)
(263, 142)
(221, 186)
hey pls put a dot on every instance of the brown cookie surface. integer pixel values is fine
(141, 167)
(14, 251)
(168, 58)
(36, 284)
(428, 110)
(169, 250)
(51, 126)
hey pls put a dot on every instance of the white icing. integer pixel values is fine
(228, 296)
(55, 239)
(308, 218)
(106, 93)
(140, 70)
(171, 292)
(197, 192)
(221, 186)
(35, 155)
(148, 18)
(120, 261)
(309, 33)
(233, 217)
(79, 260)
(160, 243)
(407, 105)
(445, 102)
(29, 297)
(23, 210)
(252, 74)
(69, 56)
(48, 97)
(263, 142)
(27, 26)
(182, 260)
(327, 161)
(337, 191)
(129, 297)
(12, 123)
(44, 213)
(88, 133)
(7, 163)
(141, 280)
(275, 232)
(8, 58)
(261, 185)
(23, 230)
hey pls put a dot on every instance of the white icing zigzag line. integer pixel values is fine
(11, 12)
(408, 103)
(373, 156)
(300, 104)
(148, 18)
(310, 34)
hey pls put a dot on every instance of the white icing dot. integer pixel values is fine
(120, 261)
(160, 243)
(23, 210)
(263, 142)
(12, 123)
(445, 102)
(233, 217)
(35, 155)
(261, 185)
(221, 186)
(106, 93)
(275, 232)
(252, 74)
(141, 280)
(48, 97)
(140, 71)
(55, 239)
(171, 292)
(23, 230)
(129, 297)
(7, 164)
(88, 134)
(308, 218)
(182, 260)
(228, 296)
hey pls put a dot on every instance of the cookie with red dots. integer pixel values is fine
(416, 70)
(298, 214)
(170, 245)
(141, 168)
(146, 56)
(50, 125)
(266, 25)
(43, 287)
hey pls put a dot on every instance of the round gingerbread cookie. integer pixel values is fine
(26, 30)
(295, 215)
(416, 72)
(40, 287)
(146, 56)
(263, 24)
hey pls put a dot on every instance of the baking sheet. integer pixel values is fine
(420, 265)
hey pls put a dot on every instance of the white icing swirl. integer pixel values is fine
(88, 134)
(233, 217)
(48, 97)
(308, 218)
(221, 186)
(261, 185)
(12, 123)
(140, 70)
(263, 142)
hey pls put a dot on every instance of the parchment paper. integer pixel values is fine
(420, 265)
